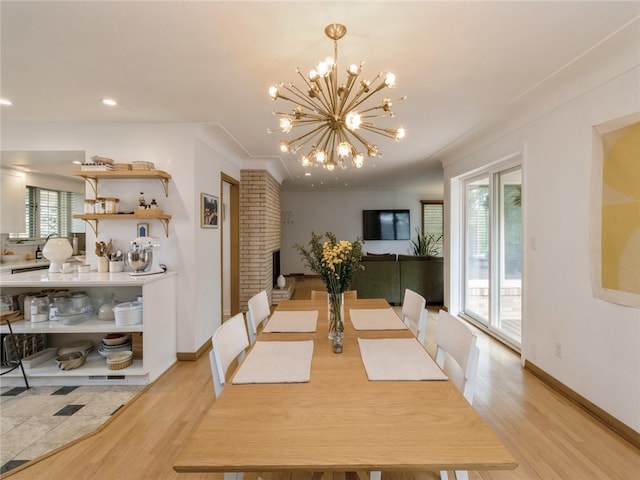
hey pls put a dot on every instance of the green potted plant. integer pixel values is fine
(426, 245)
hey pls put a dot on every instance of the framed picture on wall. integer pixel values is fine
(143, 230)
(209, 211)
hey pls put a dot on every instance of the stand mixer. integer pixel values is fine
(141, 257)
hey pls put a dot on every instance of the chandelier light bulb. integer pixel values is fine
(390, 80)
(335, 115)
(323, 69)
(344, 149)
(353, 70)
(286, 124)
(353, 121)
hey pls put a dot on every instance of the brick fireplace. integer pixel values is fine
(259, 232)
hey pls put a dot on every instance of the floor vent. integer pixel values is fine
(108, 379)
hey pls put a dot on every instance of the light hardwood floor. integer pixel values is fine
(550, 436)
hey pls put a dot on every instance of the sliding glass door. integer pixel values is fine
(493, 252)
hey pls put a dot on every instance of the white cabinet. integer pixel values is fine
(157, 332)
(12, 196)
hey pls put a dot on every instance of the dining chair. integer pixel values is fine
(230, 342)
(414, 312)
(457, 342)
(258, 313)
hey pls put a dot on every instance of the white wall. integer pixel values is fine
(340, 212)
(207, 266)
(194, 166)
(600, 341)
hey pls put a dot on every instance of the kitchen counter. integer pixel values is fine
(8, 267)
(91, 279)
(30, 264)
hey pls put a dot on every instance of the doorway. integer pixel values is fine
(492, 294)
(230, 245)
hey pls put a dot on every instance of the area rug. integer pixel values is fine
(39, 420)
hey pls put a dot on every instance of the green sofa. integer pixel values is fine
(379, 279)
(387, 276)
(423, 275)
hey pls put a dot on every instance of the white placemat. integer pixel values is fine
(276, 362)
(398, 359)
(292, 321)
(376, 319)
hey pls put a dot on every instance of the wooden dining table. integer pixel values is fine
(340, 421)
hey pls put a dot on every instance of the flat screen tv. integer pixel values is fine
(386, 225)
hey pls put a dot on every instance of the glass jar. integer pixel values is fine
(111, 205)
(59, 305)
(6, 303)
(89, 205)
(82, 302)
(100, 205)
(39, 308)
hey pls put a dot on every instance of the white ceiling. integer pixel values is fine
(462, 65)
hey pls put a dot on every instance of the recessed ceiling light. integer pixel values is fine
(307, 174)
(109, 101)
(5, 101)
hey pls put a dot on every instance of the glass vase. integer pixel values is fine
(336, 316)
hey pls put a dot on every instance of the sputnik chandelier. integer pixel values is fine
(332, 114)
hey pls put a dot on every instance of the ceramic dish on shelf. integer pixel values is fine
(72, 360)
(106, 350)
(115, 339)
(120, 360)
(100, 160)
(82, 346)
(71, 318)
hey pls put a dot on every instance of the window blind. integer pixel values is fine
(50, 212)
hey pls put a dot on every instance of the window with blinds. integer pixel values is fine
(433, 223)
(50, 212)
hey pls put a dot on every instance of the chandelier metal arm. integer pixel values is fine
(347, 91)
(387, 132)
(361, 139)
(381, 106)
(309, 135)
(318, 88)
(305, 102)
(359, 101)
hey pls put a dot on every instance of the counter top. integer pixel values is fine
(7, 267)
(91, 279)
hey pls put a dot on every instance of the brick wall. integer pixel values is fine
(259, 232)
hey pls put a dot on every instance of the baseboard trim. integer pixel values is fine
(626, 432)
(193, 356)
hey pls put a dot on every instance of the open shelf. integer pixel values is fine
(93, 325)
(95, 365)
(92, 177)
(96, 217)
